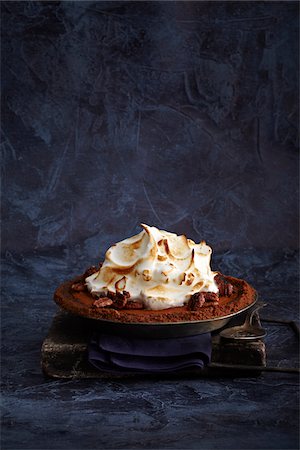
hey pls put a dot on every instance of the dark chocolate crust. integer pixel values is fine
(81, 303)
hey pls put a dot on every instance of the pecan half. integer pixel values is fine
(225, 288)
(211, 297)
(119, 301)
(102, 302)
(110, 295)
(228, 289)
(196, 301)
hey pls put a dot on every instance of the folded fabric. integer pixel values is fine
(112, 353)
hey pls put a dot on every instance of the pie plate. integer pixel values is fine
(170, 329)
(104, 320)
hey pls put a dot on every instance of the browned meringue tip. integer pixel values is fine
(121, 284)
(192, 259)
(186, 239)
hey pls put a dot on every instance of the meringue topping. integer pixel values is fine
(155, 266)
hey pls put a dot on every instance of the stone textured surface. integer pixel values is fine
(238, 413)
(179, 114)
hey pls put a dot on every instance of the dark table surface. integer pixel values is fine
(225, 413)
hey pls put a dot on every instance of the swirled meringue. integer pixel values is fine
(155, 266)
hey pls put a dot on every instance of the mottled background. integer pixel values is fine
(182, 115)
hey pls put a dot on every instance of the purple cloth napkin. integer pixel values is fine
(112, 353)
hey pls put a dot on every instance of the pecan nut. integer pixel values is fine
(102, 302)
(119, 301)
(228, 289)
(196, 301)
(211, 297)
(225, 288)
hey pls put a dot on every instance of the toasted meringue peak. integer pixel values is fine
(155, 266)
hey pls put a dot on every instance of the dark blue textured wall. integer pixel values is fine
(181, 115)
(178, 114)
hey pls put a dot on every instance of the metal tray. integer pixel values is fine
(170, 329)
